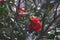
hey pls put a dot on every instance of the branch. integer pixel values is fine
(34, 2)
(55, 14)
(54, 17)
(52, 23)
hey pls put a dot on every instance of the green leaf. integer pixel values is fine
(52, 36)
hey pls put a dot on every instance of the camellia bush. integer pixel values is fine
(14, 28)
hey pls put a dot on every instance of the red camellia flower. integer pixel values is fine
(1, 1)
(22, 9)
(35, 25)
(22, 13)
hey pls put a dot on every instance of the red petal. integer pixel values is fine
(1, 1)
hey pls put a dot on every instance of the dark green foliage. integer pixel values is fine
(52, 36)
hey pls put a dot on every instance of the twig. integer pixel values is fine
(51, 23)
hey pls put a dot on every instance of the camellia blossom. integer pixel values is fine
(35, 25)
(1, 1)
